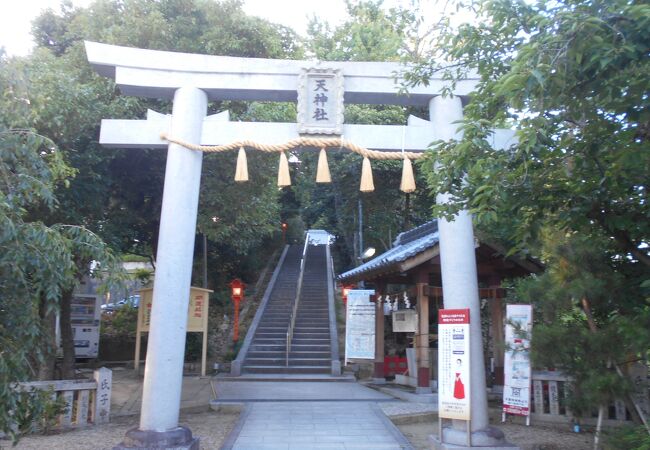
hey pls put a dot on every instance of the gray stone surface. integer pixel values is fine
(394, 409)
(315, 425)
(236, 365)
(489, 438)
(407, 395)
(179, 438)
(437, 445)
(229, 391)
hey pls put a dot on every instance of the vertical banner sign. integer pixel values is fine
(453, 364)
(360, 325)
(517, 370)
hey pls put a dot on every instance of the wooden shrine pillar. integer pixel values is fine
(497, 327)
(378, 372)
(422, 335)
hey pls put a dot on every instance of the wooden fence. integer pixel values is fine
(549, 405)
(87, 401)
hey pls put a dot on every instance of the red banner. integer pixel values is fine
(452, 316)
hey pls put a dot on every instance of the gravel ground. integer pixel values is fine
(211, 427)
(536, 437)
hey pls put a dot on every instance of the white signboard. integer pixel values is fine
(517, 370)
(320, 101)
(360, 325)
(453, 364)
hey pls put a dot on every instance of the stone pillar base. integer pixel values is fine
(490, 438)
(423, 390)
(179, 438)
(336, 368)
(235, 368)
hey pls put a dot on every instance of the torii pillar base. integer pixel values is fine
(490, 438)
(179, 438)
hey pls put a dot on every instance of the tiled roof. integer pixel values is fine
(407, 245)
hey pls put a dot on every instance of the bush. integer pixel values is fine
(123, 322)
(629, 437)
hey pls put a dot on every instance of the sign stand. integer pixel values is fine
(197, 321)
(517, 368)
(454, 369)
(468, 430)
(360, 325)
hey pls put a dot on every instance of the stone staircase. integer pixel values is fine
(311, 351)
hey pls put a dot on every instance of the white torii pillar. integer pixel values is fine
(460, 291)
(163, 374)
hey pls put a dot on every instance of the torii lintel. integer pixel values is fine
(157, 74)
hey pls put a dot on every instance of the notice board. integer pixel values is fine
(360, 325)
(453, 364)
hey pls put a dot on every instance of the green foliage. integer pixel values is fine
(628, 437)
(117, 193)
(571, 78)
(121, 323)
(35, 410)
(371, 33)
(193, 347)
(37, 262)
(578, 271)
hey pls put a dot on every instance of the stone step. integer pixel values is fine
(310, 341)
(309, 361)
(277, 335)
(285, 370)
(281, 360)
(314, 329)
(309, 347)
(270, 341)
(310, 335)
(267, 348)
(308, 323)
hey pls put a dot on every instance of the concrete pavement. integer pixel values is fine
(314, 425)
(305, 412)
(307, 415)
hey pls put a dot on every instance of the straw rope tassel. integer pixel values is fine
(284, 179)
(323, 171)
(408, 180)
(367, 185)
(241, 171)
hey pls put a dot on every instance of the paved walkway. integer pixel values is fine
(301, 413)
(255, 391)
(306, 415)
(315, 425)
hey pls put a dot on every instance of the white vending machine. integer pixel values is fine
(85, 316)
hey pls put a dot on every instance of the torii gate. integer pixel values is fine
(191, 81)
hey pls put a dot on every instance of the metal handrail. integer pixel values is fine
(292, 320)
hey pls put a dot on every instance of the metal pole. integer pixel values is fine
(205, 261)
(235, 336)
(360, 231)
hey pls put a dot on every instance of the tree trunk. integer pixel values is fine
(67, 338)
(48, 346)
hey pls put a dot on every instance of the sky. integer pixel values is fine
(16, 16)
